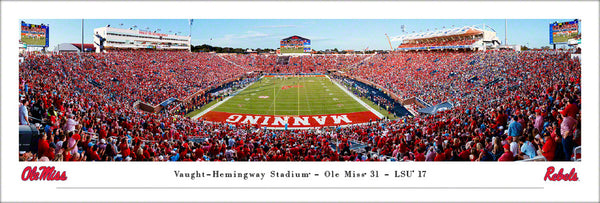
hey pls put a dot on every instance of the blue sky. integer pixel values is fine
(356, 34)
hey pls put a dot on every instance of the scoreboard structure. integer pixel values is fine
(565, 32)
(35, 35)
(295, 45)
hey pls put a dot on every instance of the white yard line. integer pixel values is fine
(357, 99)
(221, 102)
(306, 98)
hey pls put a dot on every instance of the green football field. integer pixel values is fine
(34, 41)
(291, 96)
(292, 50)
(558, 38)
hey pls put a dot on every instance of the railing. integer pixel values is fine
(94, 136)
(37, 119)
(411, 110)
(415, 101)
(537, 158)
(576, 151)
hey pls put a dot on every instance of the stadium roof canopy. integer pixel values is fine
(460, 31)
(73, 47)
(85, 46)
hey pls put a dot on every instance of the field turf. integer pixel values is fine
(291, 96)
(292, 50)
(34, 41)
(558, 38)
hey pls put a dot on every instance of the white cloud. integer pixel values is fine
(248, 34)
(236, 40)
(319, 38)
(396, 38)
(277, 26)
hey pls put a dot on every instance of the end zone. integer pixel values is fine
(292, 121)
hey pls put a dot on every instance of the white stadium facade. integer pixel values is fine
(475, 37)
(106, 38)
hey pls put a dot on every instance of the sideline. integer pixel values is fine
(222, 101)
(357, 99)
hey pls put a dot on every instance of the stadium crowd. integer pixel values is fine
(509, 106)
(296, 64)
(465, 41)
(224, 90)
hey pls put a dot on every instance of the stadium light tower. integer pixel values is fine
(505, 31)
(191, 21)
(82, 35)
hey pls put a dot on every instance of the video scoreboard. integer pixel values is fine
(565, 32)
(295, 44)
(35, 35)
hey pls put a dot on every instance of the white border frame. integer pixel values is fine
(448, 175)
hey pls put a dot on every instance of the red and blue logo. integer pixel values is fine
(47, 173)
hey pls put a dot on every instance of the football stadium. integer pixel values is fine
(308, 100)
(454, 94)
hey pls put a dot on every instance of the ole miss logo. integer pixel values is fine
(558, 176)
(45, 173)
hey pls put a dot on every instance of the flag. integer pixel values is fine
(191, 21)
